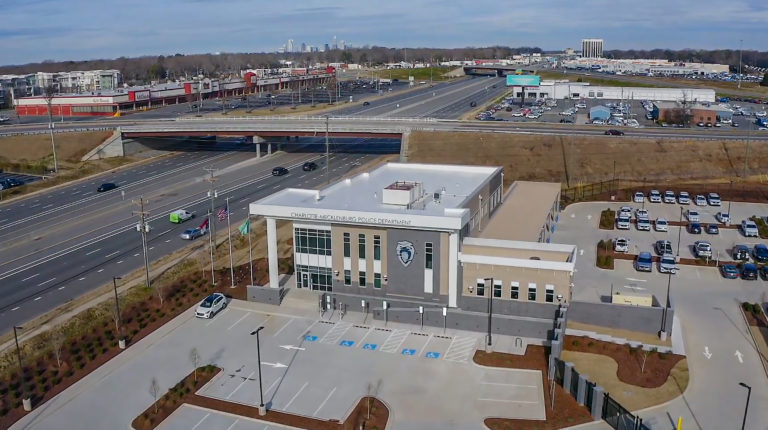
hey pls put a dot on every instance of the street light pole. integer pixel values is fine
(143, 228)
(490, 308)
(730, 198)
(262, 409)
(117, 306)
(679, 231)
(746, 407)
(25, 400)
(327, 151)
(211, 238)
(663, 331)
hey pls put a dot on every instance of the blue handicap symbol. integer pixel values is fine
(347, 343)
(433, 354)
(310, 338)
(407, 351)
(371, 346)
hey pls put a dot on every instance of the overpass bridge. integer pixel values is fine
(496, 69)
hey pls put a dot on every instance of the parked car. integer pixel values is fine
(621, 244)
(211, 305)
(663, 247)
(702, 249)
(613, 132)
(760, 253)
(669, 196)
(192, 233)
(643, 224)
(749, 228)
(10, 183)
(713, 199)
(729, 271)
(644, 262)
(638, 197)
(309, 166)
(106, 187)
(723, 218)
(763, 272)
(625, 209)
(692, 216)
(740, 253)
(749, 271)
(654, 196)
(623, 222)
(694, 228)
(667, 264)
(712, 229)
(700, 200)
(279, 171)
(641, 213)
(683, 198)
(661, 224)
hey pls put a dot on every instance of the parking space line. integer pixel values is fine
(238, 321)
(273, 385)
(283, 327)
(201, 421)
(395, 339)
(214, 319)
(324, 401)
(424, 348)
(295, 395)
(234, 424)
(508, 401)
(460, 348)
(361, 342)
(301, 336)
(240, 385)
(336, 332)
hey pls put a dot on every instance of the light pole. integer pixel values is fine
(143, 228)
(730, 198)
(490, 308)
(117, 305)
(746, 407)
(211, 238)
(679, 231)
(327, 151)
(262, 409)
(26, 400)
(663, 331)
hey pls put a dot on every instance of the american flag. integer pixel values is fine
(223, 212)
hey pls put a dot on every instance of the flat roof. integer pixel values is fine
(522, 213)
(358, 200)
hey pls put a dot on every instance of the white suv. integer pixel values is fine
(749, 228)
(713, 199)
(654, 196)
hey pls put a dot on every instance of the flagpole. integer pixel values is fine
(250, 248)
(210, 245)
(229, 235)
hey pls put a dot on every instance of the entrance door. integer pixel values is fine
(304, 280)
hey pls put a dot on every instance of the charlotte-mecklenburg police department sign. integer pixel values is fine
(351, 219)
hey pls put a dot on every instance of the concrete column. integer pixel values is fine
(453, 263)
(557, 348)
(581, 391)
(269, 149)
(258, 150)
(561, 323)
(558, 334)
(567, 375)
(598, 397)
(272, 252)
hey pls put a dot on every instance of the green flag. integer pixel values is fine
(245, 228)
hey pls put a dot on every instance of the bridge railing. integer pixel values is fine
(311, 118)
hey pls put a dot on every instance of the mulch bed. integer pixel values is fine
(243, 276)
(630, 360)
(754, 316)
(568, 412)
(185, 392)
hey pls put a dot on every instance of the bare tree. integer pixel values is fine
(154, 390)
(194, 358)
(646, 353)
(57, 337)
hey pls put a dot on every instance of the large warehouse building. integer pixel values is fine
(418, 234)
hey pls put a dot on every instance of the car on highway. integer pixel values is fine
(749, 228)
(667, 264)
(700, 200)
(211, 305)
(723, 218)
(179, 216)
(694, 228)
(692, 216)
(472, 104)
(669, 197)
(279, 171)
(638, 197)
(621, 244)
(106, 187)
(663, 247)
(740, 253)
(713, 199)
(729, 271)
(654, 196)
(661, 224)
(644, 262)
(683, 198)
(712, 229)
(760, 253)
(749, 271)
(309, 166)
(366, 103)
(702, 249)
(613, 132)
(192, 233)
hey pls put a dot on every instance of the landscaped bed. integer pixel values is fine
(567, 411)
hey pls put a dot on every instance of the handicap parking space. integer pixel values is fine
(375, 338)
(354, 336)
(436, 346)
(413, 344)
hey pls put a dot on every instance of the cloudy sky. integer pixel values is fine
(36, 30)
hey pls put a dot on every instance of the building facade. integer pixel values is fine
(592, 48)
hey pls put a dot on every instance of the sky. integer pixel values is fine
(38, 30)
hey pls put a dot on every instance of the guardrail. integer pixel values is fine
(64, 130)
(308, 118)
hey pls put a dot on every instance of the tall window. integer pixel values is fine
(515, 290)
(346, 245)
(550, 294)
(428, 255)
(532, 292)
(361, 278)
(376, 247)
(480, 287)
(361, 246)
(377, 280)
(311, 241)
(347, 277)
(497, 289)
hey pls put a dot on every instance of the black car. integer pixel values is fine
(279, 171)
(10, 183)
(694, 228)
(309, 166)
(749, 271)
(763, 273)
(366, 103)
(472, 104)
(106, 187)
(613, 132)
(760, 253)
(712, 229)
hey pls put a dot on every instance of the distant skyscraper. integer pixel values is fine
(303, 47)
(326, 48)
(342, 46)
(592, 48)
(334, 44)
(290, 45)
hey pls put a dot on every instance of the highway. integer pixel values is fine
(52, 254)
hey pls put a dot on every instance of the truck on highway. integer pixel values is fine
(179, 216)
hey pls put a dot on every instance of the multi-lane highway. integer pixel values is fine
(65, 242)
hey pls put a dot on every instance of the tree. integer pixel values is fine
(646, 353)
(57, 337)
(764, 82)
(194, 358)
(154, 390)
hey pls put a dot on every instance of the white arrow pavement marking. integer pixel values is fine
(581, 252)
(589, 216)
(739, 355)
(275, 365)
(292, 347)
(707, 353)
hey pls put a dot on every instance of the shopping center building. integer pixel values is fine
(421, 236)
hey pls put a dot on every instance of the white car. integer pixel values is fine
(713, 199)
(661, 224)
(723, 218)
(641, 213)
(692, 216)
(211, 305)
(683, 198)
(638, 197)
(700, 200)
(623, 222)
(621, 244)
(669, 196)
(625, 209)
(749, 228)
(643, 224)
(654, 196)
